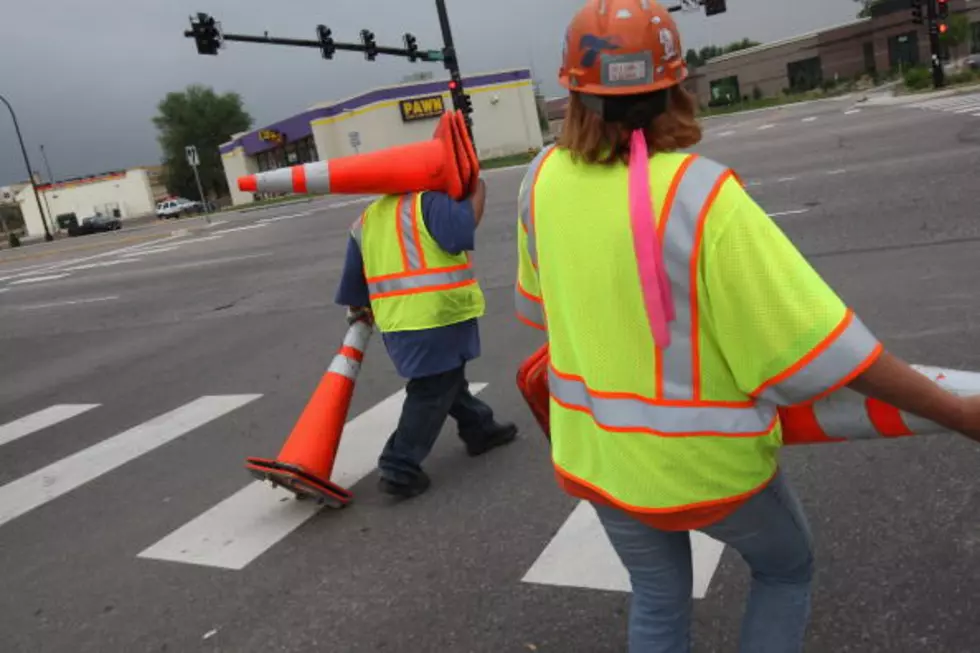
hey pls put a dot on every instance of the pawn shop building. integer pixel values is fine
(506, 121)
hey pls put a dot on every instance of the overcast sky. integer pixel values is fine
(85, 75)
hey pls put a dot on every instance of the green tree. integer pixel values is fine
(866, 6)
(198, 116)
(692, 58)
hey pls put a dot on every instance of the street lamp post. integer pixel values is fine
(30, 173)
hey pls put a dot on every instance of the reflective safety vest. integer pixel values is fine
(413, 283)
(652, 430)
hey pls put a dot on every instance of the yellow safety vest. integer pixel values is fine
(651, 430)
(413, 283)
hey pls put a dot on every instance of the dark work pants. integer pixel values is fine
(429, 400)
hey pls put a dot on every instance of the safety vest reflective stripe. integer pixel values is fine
(357, 229)
(830, 365)
(529, 309)
(416, 283)
(693, 191)
(525, 202)
(409, 235)
(614, 413)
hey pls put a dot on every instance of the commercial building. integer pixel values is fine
(505, 121)
(122, 194)
(886, 41)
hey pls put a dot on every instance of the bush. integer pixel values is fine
(756, 93)
(963, 77)
(918, 78)
(13, 239)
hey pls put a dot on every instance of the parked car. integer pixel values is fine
(174, 208)
(95, 224)
(972, 62)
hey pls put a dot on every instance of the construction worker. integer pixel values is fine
(679, 317)
(408, 269)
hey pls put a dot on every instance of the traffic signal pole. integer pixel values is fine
(209, 37)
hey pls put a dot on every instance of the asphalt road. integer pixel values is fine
(139, 375)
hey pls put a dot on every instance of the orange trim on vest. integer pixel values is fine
(415, 232)
(419, 273)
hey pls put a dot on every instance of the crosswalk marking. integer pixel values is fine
(959, 104)
(38, 488)
(245, 228)
(239, 529)
(49, 277)
(40, 420)
(580, 555)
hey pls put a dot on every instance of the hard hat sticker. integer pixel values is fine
(670, 45)
(627, 69)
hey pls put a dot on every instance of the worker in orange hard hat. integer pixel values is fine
(673, 341)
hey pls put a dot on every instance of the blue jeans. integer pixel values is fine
(429, 401)
(771, 534)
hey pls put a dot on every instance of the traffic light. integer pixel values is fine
(942, 10)
(412, 46)
(917, 12)
(712, 7)
(325, 36)
(207, 34)
(371, 47)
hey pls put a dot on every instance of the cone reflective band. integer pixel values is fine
(843, 416)
(306, 461)
(433, 165)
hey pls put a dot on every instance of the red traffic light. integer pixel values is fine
(452, 85)
(943, 28)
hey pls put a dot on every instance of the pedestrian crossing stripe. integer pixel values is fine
(234, 532)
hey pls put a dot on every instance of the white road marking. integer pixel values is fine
(153, 250)
(236, 531)
(103, 264)
(40, 420)
(282, 217)
(852, 112)
(782, 213)
(50, 277)
(362, 200)
(770, 126)
(580, 555)
(810, 119)
(216, 223)
(730, 132)
(38, 488)
(783, 180)
(4, 290)
(837, 172)
(751, 184)
(245, 228)
(69, 302)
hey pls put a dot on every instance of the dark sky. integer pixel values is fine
(85, 75)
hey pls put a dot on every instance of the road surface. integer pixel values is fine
(139, 375)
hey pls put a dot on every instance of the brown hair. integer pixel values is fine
(589, 138)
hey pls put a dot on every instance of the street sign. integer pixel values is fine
(355, 139)
(192, 157)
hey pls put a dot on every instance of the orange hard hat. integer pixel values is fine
(622, 47)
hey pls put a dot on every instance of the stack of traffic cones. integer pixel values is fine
(447, 163)
(843, 416)
(305, 463)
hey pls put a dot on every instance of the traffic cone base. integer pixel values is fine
(444, 164)
(299, 482)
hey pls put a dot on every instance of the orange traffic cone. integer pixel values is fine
(433, 165)
(305, 463)
(843, 416)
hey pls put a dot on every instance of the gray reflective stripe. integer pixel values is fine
(844, 415)
(853, 346)
(274, 181)
(345, 366)
(420, 281)
(528, 308)
(411, 248)
(524, 201)
(318, 177)
(358, 336)
(692, 192)
(633, 414)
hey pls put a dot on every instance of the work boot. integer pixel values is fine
(499, 435)
(408, 490)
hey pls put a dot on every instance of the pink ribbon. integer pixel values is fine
(646, 243)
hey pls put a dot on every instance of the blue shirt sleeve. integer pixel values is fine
(353, 289)
(451, 223)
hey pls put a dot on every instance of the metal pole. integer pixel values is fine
(47, 167)
(451, 61)
(200, 191)
(938, 76)
(30, 174)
